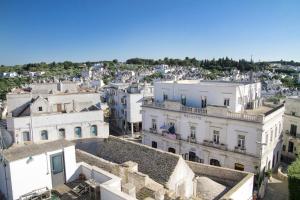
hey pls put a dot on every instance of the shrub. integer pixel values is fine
(294, 180)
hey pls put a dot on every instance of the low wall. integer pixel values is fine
(282, 176)
(222, 175)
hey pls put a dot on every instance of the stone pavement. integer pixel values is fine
(277, 189)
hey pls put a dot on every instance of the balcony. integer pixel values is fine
(191, 139)
(214, 111)
(173, 136)
(294, 135)
(215, 145)
(153, 130)
(239, 149)
(164, 133)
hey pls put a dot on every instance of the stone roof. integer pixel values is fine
(157, 164)
(145, 193)
(22, 151)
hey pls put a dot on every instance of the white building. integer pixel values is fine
(217, 123)
(125, 101)
(27, 168)
(31, 171)
(155, 174)
(9, 74)
(291, 129)
(54, 111)
(126, 173)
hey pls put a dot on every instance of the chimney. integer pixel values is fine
(159, 194)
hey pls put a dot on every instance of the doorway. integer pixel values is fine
(57, 169)
(192, 156)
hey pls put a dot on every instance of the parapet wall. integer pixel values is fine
(226, 176)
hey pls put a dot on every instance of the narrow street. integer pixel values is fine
(277, 189)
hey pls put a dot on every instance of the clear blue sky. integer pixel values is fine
(82, 30)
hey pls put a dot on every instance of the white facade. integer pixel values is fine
(42, 116)
(125, 103)
(211, 124)
(291, 128)
(21, 176)
(14, 183)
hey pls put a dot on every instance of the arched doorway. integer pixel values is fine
(215, 162)
(192, 156)
(172, 150)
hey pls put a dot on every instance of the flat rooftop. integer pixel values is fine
(209, 83)
(20, 151)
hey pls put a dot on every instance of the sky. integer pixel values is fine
(93, 30)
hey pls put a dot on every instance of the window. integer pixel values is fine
(293, 130)
(240, 100)
(203, 101)
(44, 135)
(77, 131)
(62, 133)
(59, 107)
(57, 164)
(154, 125)
(172, 150)
(291, 147)
(241, 141)
(271, 136)
(26, 136)
(226, 102)
(193, 132)
(94, 131)
(183, 100)
(279, 129)
(267, 139)
(165, 97)
(40, 108)
(283, 147)
(216, 137)
(239, 166)
(293, 113)
(154, 144)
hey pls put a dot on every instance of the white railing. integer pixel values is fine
(203, 111)
(244, 116)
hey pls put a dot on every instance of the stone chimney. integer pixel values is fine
(159, 194)
(129, 189)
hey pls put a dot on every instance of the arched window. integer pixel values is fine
(26, 136)
(44, 135)
(214, 162)
(172, 150)
(94, 131)
(61, 133)
(77, 131)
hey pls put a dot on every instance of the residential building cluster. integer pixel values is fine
(192, 138)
